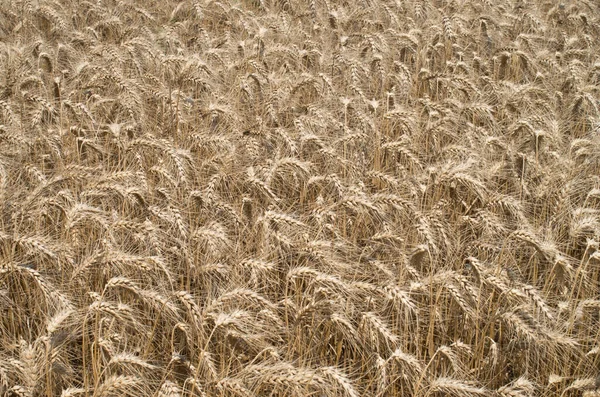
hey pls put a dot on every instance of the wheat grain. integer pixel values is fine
(299, 198)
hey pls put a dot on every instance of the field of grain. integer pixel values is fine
(299, 198)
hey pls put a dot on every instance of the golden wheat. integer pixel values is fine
(283, 197)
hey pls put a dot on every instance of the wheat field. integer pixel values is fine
(299, 198)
